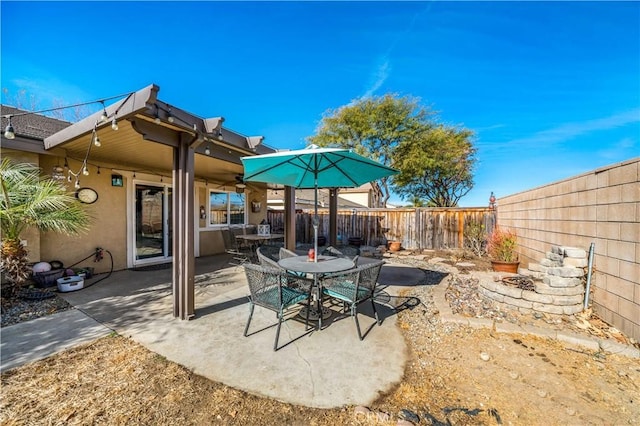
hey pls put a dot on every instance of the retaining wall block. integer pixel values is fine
(554, 256)
(575, 262)
(550, 263)
(536, 267)
(509, 291)
(572, 309)
(491, 295)
(549, 309)
(489, 285)
(518, 302)
(567, 300)
(566, 272)
(532, 274)
(555, 281)
(557, 250)
(535, 297)
(543, 288)
(575, 252)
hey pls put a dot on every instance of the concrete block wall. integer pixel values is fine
(600, 207)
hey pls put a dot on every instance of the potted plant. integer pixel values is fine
(501, 248)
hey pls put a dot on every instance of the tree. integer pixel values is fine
(436, 166)
(374, 127)
(28, 199)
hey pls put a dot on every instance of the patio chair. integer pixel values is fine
(284, 253)
(268, 256)
(349, 252)
(239, 255)
(269, 289)
(354, 287)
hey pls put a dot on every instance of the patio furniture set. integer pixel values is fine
(283, 280)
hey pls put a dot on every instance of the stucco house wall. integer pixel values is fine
(600, 207)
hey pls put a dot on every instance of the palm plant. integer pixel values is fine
(28, 199)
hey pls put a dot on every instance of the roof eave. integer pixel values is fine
(134, 103)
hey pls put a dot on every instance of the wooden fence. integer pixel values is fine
(415, 228)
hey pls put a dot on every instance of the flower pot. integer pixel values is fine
(394, 245)
(499, 266)
(355, 241)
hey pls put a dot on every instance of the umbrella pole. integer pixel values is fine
(315, 223)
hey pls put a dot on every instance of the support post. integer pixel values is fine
(290, 218)
(333, 217)
(183, 229)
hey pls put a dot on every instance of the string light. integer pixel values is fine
(8, 131)
(207, 150)
(114, 124)
(104, 117)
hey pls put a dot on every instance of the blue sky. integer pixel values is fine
(551, 89)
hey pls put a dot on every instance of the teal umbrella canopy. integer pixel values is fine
(314, 167)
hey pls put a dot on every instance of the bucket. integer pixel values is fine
(72, 283)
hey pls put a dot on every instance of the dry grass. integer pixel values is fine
(116, 381)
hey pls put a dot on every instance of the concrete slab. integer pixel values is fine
(326, 368)
(39, 338)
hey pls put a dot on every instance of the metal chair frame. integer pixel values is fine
(271, 289)
(354, 287)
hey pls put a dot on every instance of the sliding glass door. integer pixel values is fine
(153, 205)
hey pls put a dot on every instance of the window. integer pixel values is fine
(226, 208)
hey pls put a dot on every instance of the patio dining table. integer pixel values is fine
(324, 265)
(257, 238)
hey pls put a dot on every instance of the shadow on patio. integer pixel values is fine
(327, 368)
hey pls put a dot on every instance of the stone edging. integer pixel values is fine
(592, 343)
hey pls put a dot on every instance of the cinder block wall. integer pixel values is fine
(600, 207)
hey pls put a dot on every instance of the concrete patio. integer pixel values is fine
(327, 368)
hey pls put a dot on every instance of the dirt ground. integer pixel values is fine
(455, 375)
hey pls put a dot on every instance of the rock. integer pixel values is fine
(542, 393)
(361, 410)
(382, 417)
(485, 356)
(409, 416)
(513, 375)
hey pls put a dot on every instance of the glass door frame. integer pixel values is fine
(166, 255)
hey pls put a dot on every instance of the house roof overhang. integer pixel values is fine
(148, 130)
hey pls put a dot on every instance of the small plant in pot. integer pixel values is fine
(501, 248)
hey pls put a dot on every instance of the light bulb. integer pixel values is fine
(96, 141)
(220, 134)
(114, 124)
(207, 150)
(85, 171)
(157, 120)
(170, 119)
(77, 185)
(8, 131)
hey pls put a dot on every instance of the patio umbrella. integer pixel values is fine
(313, 168)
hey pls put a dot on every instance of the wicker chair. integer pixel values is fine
(269, 289)
(239, 255)
(354, 287)
(348, 252)
(268, 256)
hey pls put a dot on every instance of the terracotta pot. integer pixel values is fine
(505, 266)
(394, 245)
